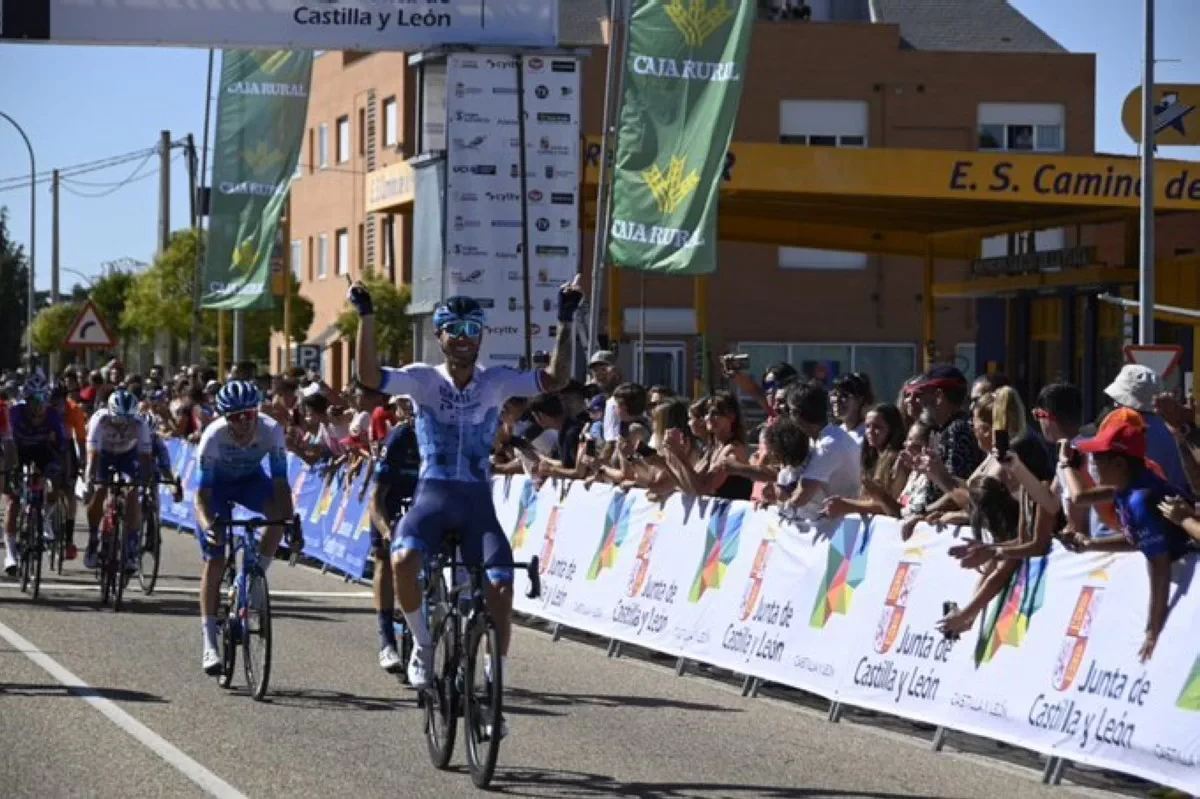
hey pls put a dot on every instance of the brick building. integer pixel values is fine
(938, 75)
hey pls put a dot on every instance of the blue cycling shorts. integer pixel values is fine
(253, 493)
(445, 506)
(110, 463)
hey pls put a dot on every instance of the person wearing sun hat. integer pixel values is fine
(1135, 387)
(1136, 489)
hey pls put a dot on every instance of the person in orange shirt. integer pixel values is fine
(75, 420)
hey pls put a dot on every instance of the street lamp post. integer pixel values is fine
(32, 235)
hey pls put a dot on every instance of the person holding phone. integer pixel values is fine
(1137, 489)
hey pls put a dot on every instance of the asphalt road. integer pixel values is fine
(149, 723)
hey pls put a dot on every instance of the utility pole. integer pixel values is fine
(161, 346)
(287, 287)
(201, 255)
(54, 257)
(192, 166)
(1146, 276)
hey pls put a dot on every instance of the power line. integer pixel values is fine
(109, 188)
(22, 181)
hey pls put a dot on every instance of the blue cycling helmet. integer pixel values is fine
(123, 404)
(36, 388)
(237, 396)
(453, 309)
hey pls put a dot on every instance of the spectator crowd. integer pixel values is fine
(948, 452)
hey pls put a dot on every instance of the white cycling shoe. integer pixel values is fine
(389, 660)
(211, 662)
(10, 563)
(420, 667)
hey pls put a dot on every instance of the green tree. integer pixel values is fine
(51, 325)
(161, 299)
(393, 326)
(110, 294)
(14, 289)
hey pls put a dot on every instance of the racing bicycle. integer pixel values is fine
(244, 604)
(150, 536)
(114, 542)
(31, 527)
(464, 635)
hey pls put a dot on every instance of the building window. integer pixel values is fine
(362, 131)
(343, 252)
(323, 146)
(343, 140)
(823, 123)
(1015, 126)
(389, 122)
(362, 245)
(312, 149)
(297, 260)
(322, 256)
(311, 259)
(1020, 243)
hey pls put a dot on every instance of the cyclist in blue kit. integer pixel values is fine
(457, 412)
(230, 455)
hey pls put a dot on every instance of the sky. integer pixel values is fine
(81, 104)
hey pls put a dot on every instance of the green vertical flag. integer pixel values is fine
(261, 113)
(683, 83)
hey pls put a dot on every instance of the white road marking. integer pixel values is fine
(160, 746)
(165, 589)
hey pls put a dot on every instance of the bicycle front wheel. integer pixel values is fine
(442, 696)
(256, 634)
(149, 551)
(227, 626)
(483, 701)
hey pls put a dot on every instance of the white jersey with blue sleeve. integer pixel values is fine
(456, 428)
(222, 460)
(116, 436)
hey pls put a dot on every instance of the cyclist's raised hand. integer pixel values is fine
(360, 298)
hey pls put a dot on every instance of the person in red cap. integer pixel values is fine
(1136, 488)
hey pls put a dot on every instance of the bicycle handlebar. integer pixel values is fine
(253, 524)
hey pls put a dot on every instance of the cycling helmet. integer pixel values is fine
(457, 308)
(36, 388)
(236, 396)
(123, 404)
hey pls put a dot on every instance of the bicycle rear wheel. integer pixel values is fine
(256, 634)
(483, 703)
(149, 551)
(117, 568)
(227, 626)
(37, 546)
(64, 527)
(441, 698)
(25, 550)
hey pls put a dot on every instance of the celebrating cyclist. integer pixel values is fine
(118, 443)
(395, 482)
(458, 410)
(231, 453)
(40, 439)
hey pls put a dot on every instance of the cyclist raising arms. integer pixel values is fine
(118, 442)
(231, 453)
(458, 410)
(395, 482)
(40, 438)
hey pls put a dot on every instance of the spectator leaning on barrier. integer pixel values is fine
(849, 399)
(942, 392)
(1131, 484)
(604, 372)
(1135, 387)
(884, 471)
(833, 468)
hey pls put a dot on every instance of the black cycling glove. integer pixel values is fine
(570, 297)
(360, 298)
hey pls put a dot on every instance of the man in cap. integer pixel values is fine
(604, 372)
(1135, 388)
(942, 392)
(1135, 487)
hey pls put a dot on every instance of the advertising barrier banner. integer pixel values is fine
(846, 610)
(314, 25)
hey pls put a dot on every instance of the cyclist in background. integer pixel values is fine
(458, 410)
(40, 439)
(76, 421)
(230, 455)
(163, 470)
(118, 442)
(395, 483)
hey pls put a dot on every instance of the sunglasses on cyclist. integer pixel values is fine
(242, 416)
(462, 327)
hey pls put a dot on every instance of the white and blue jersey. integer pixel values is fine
(118, 443)
(225, 462)
(455, 432)
(456, 428)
